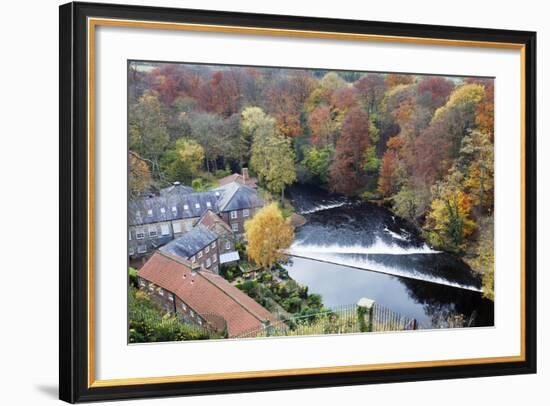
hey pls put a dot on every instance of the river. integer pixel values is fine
(350, 249)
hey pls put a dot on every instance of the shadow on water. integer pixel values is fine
(351, 249)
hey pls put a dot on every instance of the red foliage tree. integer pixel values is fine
(433, 91)
(394, 79)
(320, 123)
(346, 171)
(371, 89)
(221, 94)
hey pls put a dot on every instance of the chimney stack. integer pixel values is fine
(245, 174)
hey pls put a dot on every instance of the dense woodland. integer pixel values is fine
(423, 145)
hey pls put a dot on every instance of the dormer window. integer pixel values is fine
(185, 207)
(217, 194)
(208, 204)
(174, 210)
(197, 206)
(162, 210)
(150, 212)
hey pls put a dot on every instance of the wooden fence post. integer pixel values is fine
(365, 309)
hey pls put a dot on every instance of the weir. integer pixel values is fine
(387, 271)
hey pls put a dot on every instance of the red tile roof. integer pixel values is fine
(237, 177)
(206, 293)
(210, 219)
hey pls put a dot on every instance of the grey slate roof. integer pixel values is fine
(155, 209)
(190, 243)
(176, 189)
(236, 196)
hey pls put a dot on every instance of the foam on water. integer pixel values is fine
(322, 207)
(379, 247)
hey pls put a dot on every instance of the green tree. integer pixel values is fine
(405, 203)
(184, 161)
(254, 124)
(317, 161)
(273, 161)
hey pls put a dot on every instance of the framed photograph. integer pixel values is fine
(257, 202)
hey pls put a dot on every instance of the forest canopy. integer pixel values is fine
(421, 144)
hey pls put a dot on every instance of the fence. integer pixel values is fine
(338, 320)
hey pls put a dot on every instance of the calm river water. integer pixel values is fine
(351, 249)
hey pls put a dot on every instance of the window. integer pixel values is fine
(129, 235)
(233, 214)
(197, 206)
(142, 249)
(138, 213)
(192, 313)
(176, 227)
(151, 286)
(216, 269)
(213, 245)
(235, 227)
(174, 210)
(199, 254)
(208, 262)
(161, 291)
(131, 251)
(227, 245)
(185, 207)
(215, 258)
(193, 259)
(199, 321)
(164, 229)
(141, 282)
(153, 232)
(246, 213)
(208, 204)
(171, 297)
(217, 194)
(162, 210)
(207, 249)
(183, 306)
(140, 234)
(150, 212)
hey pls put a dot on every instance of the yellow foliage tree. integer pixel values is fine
(450, 219)
(139, 175)
(268, 234)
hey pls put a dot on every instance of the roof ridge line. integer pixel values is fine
(256, 316)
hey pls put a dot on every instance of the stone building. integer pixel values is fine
(201, 297)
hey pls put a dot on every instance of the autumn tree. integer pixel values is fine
(392, 168)
(477, 155)
(395, 79)
(139, 175)
(323, 128)
(286, 97)
(147, 128)
(268, 234)
(371, 89)
(450, 221)
(347, 168)
(184, 161)
(433, 91)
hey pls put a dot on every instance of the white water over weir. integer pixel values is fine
(357, 256)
